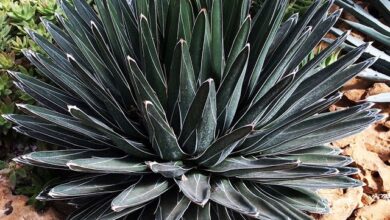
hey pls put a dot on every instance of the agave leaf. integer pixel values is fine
(319, 159)
(380, 98)
(239, 42)
(55, 135)
(320, 86)
(195, 186)
(44, 93)
(198, 212)
(255, 111)
(266, 134)
(264, 28)
(93, 185)
(200, 47)
(384, 39)
(324, 135)
(383, 7)
(222, 147)
(265, 209)
(142, 88)
(226, 195)
(323, 150)
(268, 79)
(168, 169)
(302, 171)
(200, 124)
(179, 26)
(62, 120)
(122, 143)
(63, 40)
(221, 212)
(172, 206)
(318, 33)
(314, 123)
(181, 85)
(126, 28)
(231, 167)
(333, 182)
(59, 158)
(120, 165)
(144, 190)
(364, 17)
(288, 210)
(300, 198)
(283, 32)
(217, 49)
(229, 92)
(152, 67)
(375, 76)
(100, 210)
(161, 135)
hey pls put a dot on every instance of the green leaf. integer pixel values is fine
(223, 146)
(168, 169)
(88, 186)
(236, 166)
(226, 195)
(181, 85)
(217, 51)
(300, 198)
(161, 135)
(229, 92)
(172, 206)
(201, 121)
(121, 165)
(151, 62)
(197, 212)
(57, 159)
(144, 190)
(334, 182)
(195, 186)
(122, 143)
(200, 47)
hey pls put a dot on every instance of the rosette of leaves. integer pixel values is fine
(191, 110)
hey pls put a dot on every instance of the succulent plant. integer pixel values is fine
(190, 110)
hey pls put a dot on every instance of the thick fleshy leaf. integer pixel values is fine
(198, 212)
(144, 190)
(222, 147)
(217, 51)
(122, 165)
(100, 210)
(168, 169)
(122, 143)
(172, 206)
(200, 47)
(201, 121)
(152, 67)
(94, 185)
(161, 135)
(226, 195)
(195, 186)
(229, 92)
(57, 159)
(181, 86)
(241, 165)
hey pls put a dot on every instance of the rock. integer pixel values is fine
(14, 207)
(379, 210)
(342, 202)
(378, 88)
(355, 95)
(374, 172)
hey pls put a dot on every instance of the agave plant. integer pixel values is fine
(191, 110)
